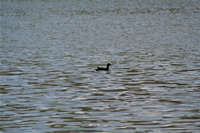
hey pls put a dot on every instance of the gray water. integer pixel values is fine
(50, 50)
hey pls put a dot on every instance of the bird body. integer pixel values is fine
(103, 69)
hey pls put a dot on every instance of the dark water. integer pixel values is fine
(49, 52)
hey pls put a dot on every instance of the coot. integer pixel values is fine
(103, 69)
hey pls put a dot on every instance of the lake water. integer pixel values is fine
(50, 50)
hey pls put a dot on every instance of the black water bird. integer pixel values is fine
(103, 69)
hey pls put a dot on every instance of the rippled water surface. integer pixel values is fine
(50, 50)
